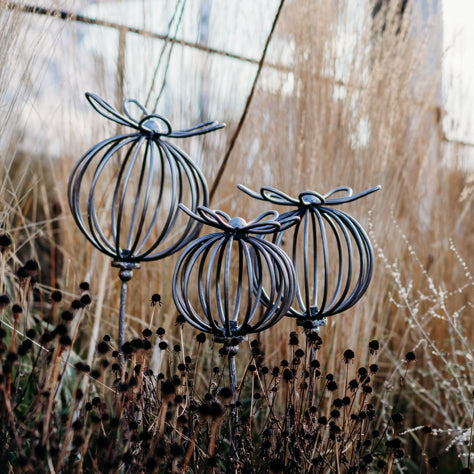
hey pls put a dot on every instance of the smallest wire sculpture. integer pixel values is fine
(230, 271)
(124, 192)
(324, 288)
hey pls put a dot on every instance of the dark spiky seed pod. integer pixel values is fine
(394, 443)
(115, 354)
(374, 346)
(315, 364)
(329, 377)
(102, 347)
(85, 300)
(77, 425)
(146, 345)
(256, 351)
(5, 241)
(201, 338)
(348, 355)
(180, 319)
(17, 310)
(60, 329)
(346, 401)
(160, 332)
(137, 343)
(332, 386)
(368, 458)
(338, 403)
(426, 429)
(4, 301)
(335, 414)
(161, 376)
(287, 375)
(275, 371)
(21, 273)
(397, 417)
(67, 316)
(168, 389)
(294, 341)
(84, 286)
(362, 371)
(76, 304)
(115, 367)
(65, 340)
(373, 368)
(122, 387)
(410, 356)
(187, 360)
(225, 393)
(181, 367)
(299, 353)
(96, 401)
(127, 349)
(95, 374)
(177, 348)
(12, 357)
(163, 345)
(31, 267)
(322, 420)
(284, 363)
(56, 296)
(367, 389)
(147, 332)
(88, 406)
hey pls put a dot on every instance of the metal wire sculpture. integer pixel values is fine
(141, 178)
(324, 288)
(230, 271)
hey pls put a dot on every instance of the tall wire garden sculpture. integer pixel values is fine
(124, 193)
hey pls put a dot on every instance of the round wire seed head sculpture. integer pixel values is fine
(139, 178)
(330, 250)
(230, 271)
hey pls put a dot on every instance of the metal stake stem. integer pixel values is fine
(125, 275)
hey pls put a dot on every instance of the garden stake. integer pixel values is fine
(150, 178)
(228, 270)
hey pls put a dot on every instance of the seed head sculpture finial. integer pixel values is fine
(125, 191)
(330, 250)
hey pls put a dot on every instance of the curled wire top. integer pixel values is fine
(149, 124)
(263, 224)
(307, 198)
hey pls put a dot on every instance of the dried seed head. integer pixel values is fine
(374, 346)
(348, 355)
(84, 286)
(56, 296)
(4, 301)
(5, 242)
(31, 267)
(410, 356)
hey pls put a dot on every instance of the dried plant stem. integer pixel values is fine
(190, 450)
